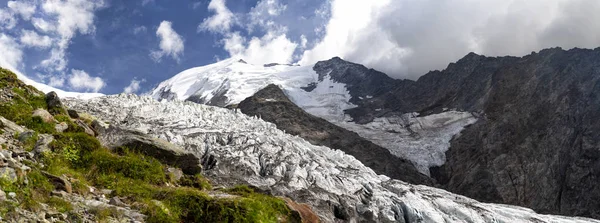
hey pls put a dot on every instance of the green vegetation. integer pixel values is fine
(139, 178)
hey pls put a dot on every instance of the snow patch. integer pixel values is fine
(422, 140)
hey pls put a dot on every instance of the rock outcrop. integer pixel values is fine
(162, 150)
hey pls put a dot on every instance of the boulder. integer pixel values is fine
(43, 143)
(8, 174)
(24, 136)
(73, 113)
(10, 126)
(61, 127)
(117, 202)
(175, 173)
(160, 149)
(99, 126)
(45, 115)
(2, 196)
(85, 127)
(59, 183)
(55, 106)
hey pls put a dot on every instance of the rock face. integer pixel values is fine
(338, 187)
(537, 143)
(272, 105)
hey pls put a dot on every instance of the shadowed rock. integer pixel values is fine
(157, 148)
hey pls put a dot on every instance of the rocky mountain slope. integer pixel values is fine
(235, 148)
(529, 123)
(536, 143)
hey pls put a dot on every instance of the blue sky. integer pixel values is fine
(112, 46)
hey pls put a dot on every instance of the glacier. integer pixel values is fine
(249, 150)
(422, 140)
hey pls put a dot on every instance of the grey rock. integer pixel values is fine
(10, 126)
(43, 143)
(44, 115)
(117, 202)
(24, 136)
(61, 127)
(12, 195)
(60, 183)
(175, 173)
(85, 127)
(2, 195)
(99, 126)
(54, 103)
(160, 149)
(73, 113)
(9, 174)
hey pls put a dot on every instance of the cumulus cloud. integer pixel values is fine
(271, 46)
(33, 39)
(221, 21)
(71, 17)
(11, 55)
(134, 86)
(80, 80)
(23, 8)
(7, 19)
(263, 14)
(171, 43)
(406, 38)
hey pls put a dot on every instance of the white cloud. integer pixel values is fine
(42, 25)
(171, 43)
(56, 81)
(406, 38)
(134, 86)
(71, 17)
(23, 8)
(139, 29)
(11, 55)
(7, 19)
(80, 80)
(221, 21)
(270, 48)
(32, 39)
(303, 41)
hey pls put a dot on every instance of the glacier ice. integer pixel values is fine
(249, 150)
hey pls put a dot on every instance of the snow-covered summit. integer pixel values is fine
(230, 81)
